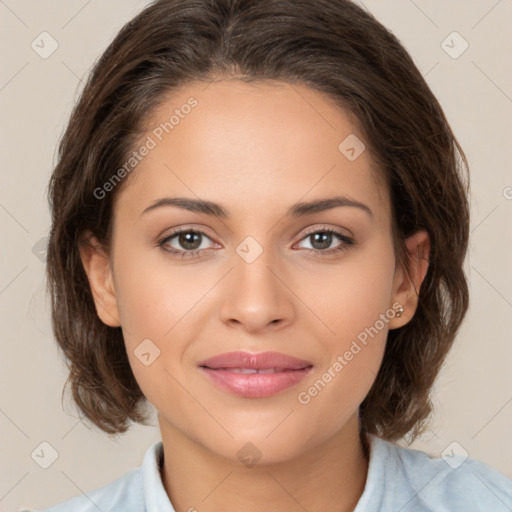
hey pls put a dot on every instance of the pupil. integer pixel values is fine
(186, 239)
(326, 239)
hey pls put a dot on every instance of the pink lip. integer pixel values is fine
(288, 371)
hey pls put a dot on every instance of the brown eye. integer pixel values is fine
(187, 242)
(322, 239)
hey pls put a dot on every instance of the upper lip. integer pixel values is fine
(258, 361)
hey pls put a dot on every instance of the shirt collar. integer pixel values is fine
(379, 482)
(155, 497)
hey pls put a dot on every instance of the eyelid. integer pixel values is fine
(327, 227)
(185, 229)
(203, 230)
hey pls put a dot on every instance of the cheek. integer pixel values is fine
(355, 309)
(154, 295)
(351, 296)
(152, 307)
(160, 304)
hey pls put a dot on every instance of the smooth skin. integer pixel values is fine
(255, 149)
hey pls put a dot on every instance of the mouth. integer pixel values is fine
(255, 375)
(256, 370)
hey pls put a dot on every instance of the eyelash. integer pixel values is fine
(347, 242)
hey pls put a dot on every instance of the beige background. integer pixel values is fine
(473, 395)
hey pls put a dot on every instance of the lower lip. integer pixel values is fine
(255, 385)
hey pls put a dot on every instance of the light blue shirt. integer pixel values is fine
(399, 480)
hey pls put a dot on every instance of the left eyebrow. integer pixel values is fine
(310, 207)
(297, 210)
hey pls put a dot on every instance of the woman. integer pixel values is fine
(260, 220)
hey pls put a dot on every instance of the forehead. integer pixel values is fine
(252, 146)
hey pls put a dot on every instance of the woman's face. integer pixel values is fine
(266, 276)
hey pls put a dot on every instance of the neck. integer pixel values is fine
(330, 476)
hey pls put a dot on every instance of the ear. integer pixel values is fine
(406, 285)
(97, 266)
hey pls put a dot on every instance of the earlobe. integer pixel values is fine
(407, 284)
(96, 263)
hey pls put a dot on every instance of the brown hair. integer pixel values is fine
(332, 46)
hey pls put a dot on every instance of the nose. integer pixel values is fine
(256, 295)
